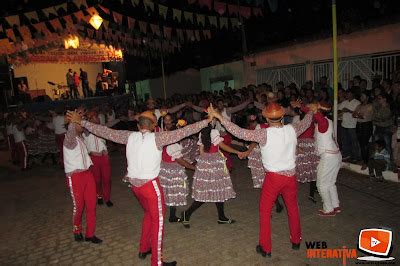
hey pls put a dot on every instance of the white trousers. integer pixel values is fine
(327, 171)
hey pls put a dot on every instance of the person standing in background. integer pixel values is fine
(70, 83)
(76, 85)
(85, 83)
(59, 130)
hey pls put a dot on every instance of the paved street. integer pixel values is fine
(36, 213)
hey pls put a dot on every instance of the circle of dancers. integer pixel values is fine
(158, 154)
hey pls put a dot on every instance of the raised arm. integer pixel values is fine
(304, 124)
(197, 108)
(176, 108)
(118, 136)
(237, 108)
(169, 137)
(257, 135)
(70, 141)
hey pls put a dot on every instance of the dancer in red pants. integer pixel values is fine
(81, 183)
(278, 151)
(101, 167)
(144, 152)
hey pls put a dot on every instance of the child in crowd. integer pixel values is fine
(379, 161)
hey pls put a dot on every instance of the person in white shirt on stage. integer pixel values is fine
(144, 153)
(101, 168)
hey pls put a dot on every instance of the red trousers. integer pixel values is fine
(83, 193)
(22, 154)
(60, 143)
(228, 141)
(275, 184)
(101, 170)
(151, 197)
(11, 146)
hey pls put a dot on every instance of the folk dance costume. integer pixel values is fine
(211, 179)
(144, 154)
(307, 160)
(278, 151)
(329, 164)
(59, 130)
(11, 142)
(20, 146)
(173, 179)
(47, 145)
(101, 168)
(81, 184)
(190, 150)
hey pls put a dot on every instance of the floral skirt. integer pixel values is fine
(307, 160)
(211, 180)
(256, 167)
(173, 181)
(190, 150)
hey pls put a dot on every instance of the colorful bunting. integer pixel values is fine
(201, 20)
(55, 23)
(163, 10)
(233, 9)
(213, 20)
(197, 35)
(207, 34)
(245, 11)
(32, 15)
(80, 3)
(155, 29)
(80, 16)
(223, 22)
(149, 4)
(105, 10)
(131, 23)
(220, 7)
(13, 20)
(177, 14)
(135, 2)
(63, 6)
(117, 17)
(167, 32)
(179, 33)
(188, 16)
(258, 12)
(92, 11)
(49, 10)
(143, 26)
(206, 3)
(235, 22)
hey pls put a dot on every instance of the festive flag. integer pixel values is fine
(213, 20)
(155, 29)
(206, 3)
(245, 11)
(179, 33)
(55, 23)
(41, 27)
(92, 11)
(258, 12)
(105, 10)
(69, 23)
(117, 17)
(167, 32)
(80, 16)
(223, 22)
(235, 22)
(220, 7)
(149, 4)
(201, 19)
(131, 23)
(80, 3)
(25, 33)
(105, 24)
(188, 16)
(190, 35)
(233, 9)
(13, 20)
(32, 15)
(197, 35)
(177, 14)
(135, 2)
(99, 34)
(143, 26)
(50, 10)
(163, 10)
(63, 6)
(207, 34)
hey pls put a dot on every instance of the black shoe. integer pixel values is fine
(279, 207)
(295, 246)
(312, 199)
(174, 220)
(260, 250)
(185, 220)
(109, 203)
(171, 263)
(100, 201)
(93, 239)
(143, 255)
(78, 237)
(226, 221)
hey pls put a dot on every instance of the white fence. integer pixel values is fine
(367, 66)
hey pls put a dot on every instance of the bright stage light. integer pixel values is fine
(96, 21)
(71, 42)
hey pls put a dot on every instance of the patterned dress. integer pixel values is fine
(307, 158)
(190, 150)
(211, 179)
(255, 163)
(173, 176)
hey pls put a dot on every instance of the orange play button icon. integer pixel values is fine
(375, 241)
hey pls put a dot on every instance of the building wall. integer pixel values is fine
(183, 82)
(233, 69)
(377, 40)
(39, 74)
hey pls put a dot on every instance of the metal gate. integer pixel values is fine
(288, 74)
(367, 67)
